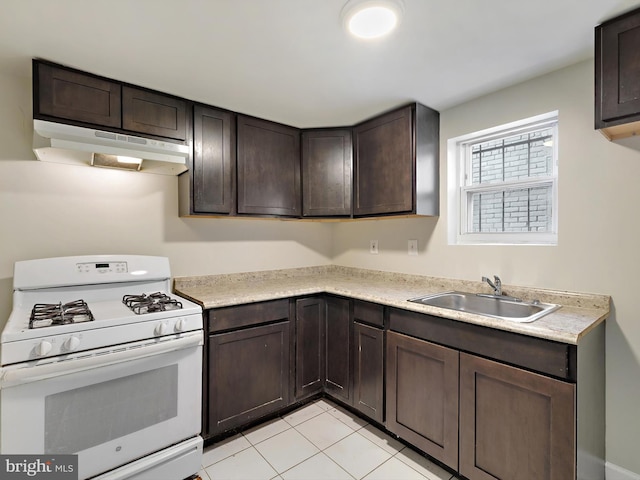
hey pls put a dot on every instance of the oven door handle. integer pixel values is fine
(14, 375)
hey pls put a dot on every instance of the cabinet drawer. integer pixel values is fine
(154, 113)
(545, 356)
(369, 313)
(240, 316)
(76, 96)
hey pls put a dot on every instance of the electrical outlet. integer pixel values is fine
(373, 247)
(413, 247)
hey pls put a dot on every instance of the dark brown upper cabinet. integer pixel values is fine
(326, 172)
(73, 95)
(268, 168)
(62, 93)
(396, 163)
(154, 113)
(213, 174)
(617, 76)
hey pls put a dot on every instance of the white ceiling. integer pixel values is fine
(290, 61)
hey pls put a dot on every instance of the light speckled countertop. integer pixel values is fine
(579, 313)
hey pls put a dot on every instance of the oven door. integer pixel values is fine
(108, 407)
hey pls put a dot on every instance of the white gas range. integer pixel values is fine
(99, 359)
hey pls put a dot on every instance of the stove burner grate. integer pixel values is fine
(154, 302)
(48, 314)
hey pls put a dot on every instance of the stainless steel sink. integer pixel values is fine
(496, 306)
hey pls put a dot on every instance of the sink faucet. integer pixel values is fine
(497, 286)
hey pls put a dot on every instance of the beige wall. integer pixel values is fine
(599, 229)
(50, 210)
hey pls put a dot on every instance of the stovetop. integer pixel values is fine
(154, 302)
(52, 314)
(77, 303)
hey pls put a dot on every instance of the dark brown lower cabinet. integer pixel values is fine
(422, 395)
(338, 350)
(515, 424)
(248, 375)
(310, 351)
(368, 370)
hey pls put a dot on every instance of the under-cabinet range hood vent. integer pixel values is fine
(62, 143)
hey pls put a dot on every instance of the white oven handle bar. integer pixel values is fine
(21, 374)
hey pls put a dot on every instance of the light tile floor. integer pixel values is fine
(318, 441)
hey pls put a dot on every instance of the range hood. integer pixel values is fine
(62, 143)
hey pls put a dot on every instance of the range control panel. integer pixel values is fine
(111, 267)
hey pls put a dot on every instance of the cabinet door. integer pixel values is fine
(76, 96)
(310, 325)
(368, 375)
(248, 375)
(338, 349)
(326, 173)
(514, 424)
(268, 168)
(214, 161)
(618, 72)
(384, 164)
(422, 395)
(154, 113)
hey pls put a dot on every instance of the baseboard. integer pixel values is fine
(614, 472)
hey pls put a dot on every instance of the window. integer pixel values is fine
(503, 184)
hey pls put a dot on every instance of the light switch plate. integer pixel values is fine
(373, 247)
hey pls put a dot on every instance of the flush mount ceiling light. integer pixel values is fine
(371, 18)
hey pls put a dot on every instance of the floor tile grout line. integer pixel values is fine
(272, 466)
(321, 452)
(451, 477)
(230, 455)
(278, 474)
(388, 459)
(289, 427)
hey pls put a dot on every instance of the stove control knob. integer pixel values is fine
(181, 325)
(71, 344)
(43, 348)
(161, 329)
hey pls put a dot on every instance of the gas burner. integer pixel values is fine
(154, 302)
(48, 314)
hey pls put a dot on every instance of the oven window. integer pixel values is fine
(85, 417)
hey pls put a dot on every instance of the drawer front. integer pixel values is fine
(229, 318)
(545, 356)
(369, 313)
